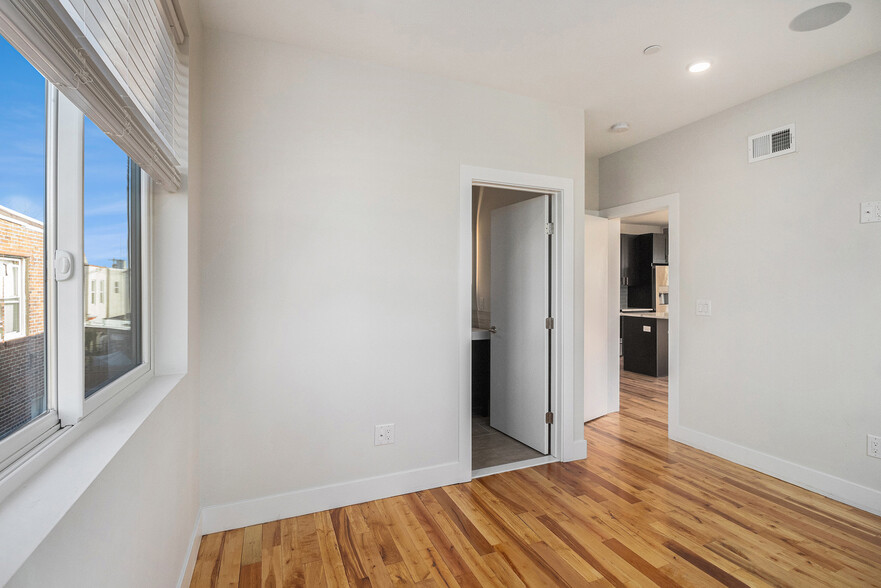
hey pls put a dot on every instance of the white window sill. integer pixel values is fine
(36, 495)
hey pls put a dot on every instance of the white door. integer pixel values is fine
(596, 317)
(520, 303)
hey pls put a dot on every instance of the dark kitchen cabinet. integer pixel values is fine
(626, 248)
(636, 269)
(645, 345)
(659, 248)
(636, 260)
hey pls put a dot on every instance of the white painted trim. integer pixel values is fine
(186, 572)
(671, 203)
(244, 513)
(69, 301)
(850, 493)
(510, 467)
(613, 401)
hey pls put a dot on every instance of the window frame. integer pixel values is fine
(145, 368)
(20, 443)
(64, 300)
(22, 301)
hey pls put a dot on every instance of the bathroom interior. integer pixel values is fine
(490, 447)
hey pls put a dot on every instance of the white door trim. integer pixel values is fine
(567, 444)
(671, 203)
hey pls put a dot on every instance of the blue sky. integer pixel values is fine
(22, 162)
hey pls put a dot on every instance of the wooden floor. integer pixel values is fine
(640, 511)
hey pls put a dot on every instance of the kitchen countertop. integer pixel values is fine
(479, 334)
(655, 315)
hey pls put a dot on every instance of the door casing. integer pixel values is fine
(566, 444)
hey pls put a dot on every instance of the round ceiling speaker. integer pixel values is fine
(819, 17)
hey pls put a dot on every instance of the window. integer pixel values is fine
(24, 398)
(112, 236)
(84, 200)
(12, 299)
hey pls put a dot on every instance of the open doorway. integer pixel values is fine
(511, 298)
(644, 294)
(632, 318)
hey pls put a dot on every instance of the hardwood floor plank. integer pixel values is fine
(345, 538)
(703, 565)
(331, 559)
(272, 575)
(640, 511)
(231, 560)
(378, 525)
(252, 557)
(457, 565)
(208, 561)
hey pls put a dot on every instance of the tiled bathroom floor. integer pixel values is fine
(491, 448)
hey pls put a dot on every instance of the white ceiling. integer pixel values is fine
(581, 53)
(658, 218)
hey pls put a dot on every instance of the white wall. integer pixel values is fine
(330, 248)
(785, 373)
(133, 525)
(591, 184)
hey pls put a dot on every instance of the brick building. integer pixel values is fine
(22, 311)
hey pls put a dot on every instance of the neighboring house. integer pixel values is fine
(107, 294)
(22, 376)
(108, 326)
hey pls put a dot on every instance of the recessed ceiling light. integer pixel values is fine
(819, 17)
(619, 127)
(651, 49)
(699, 66)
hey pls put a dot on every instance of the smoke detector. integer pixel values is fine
(619, 127)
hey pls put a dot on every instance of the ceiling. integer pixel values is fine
(581, 53)
(658, 218)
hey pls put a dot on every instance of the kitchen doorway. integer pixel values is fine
(650, 303)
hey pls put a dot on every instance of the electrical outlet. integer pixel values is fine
(384, 435)
(870, 212)
(874, 449)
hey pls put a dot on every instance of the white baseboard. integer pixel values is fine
(299, 502)
(575, 450)
(828, 485)
(186, 574)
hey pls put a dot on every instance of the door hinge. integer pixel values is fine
(549, 323)
(549, 228)
(549, 418)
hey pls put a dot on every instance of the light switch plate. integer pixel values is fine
(870, 212)
(704, 308)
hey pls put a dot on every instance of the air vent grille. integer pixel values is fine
(772, 143)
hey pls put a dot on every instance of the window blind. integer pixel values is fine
(117, 61)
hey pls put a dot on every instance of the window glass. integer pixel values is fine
(111, 207)
(23, 392)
